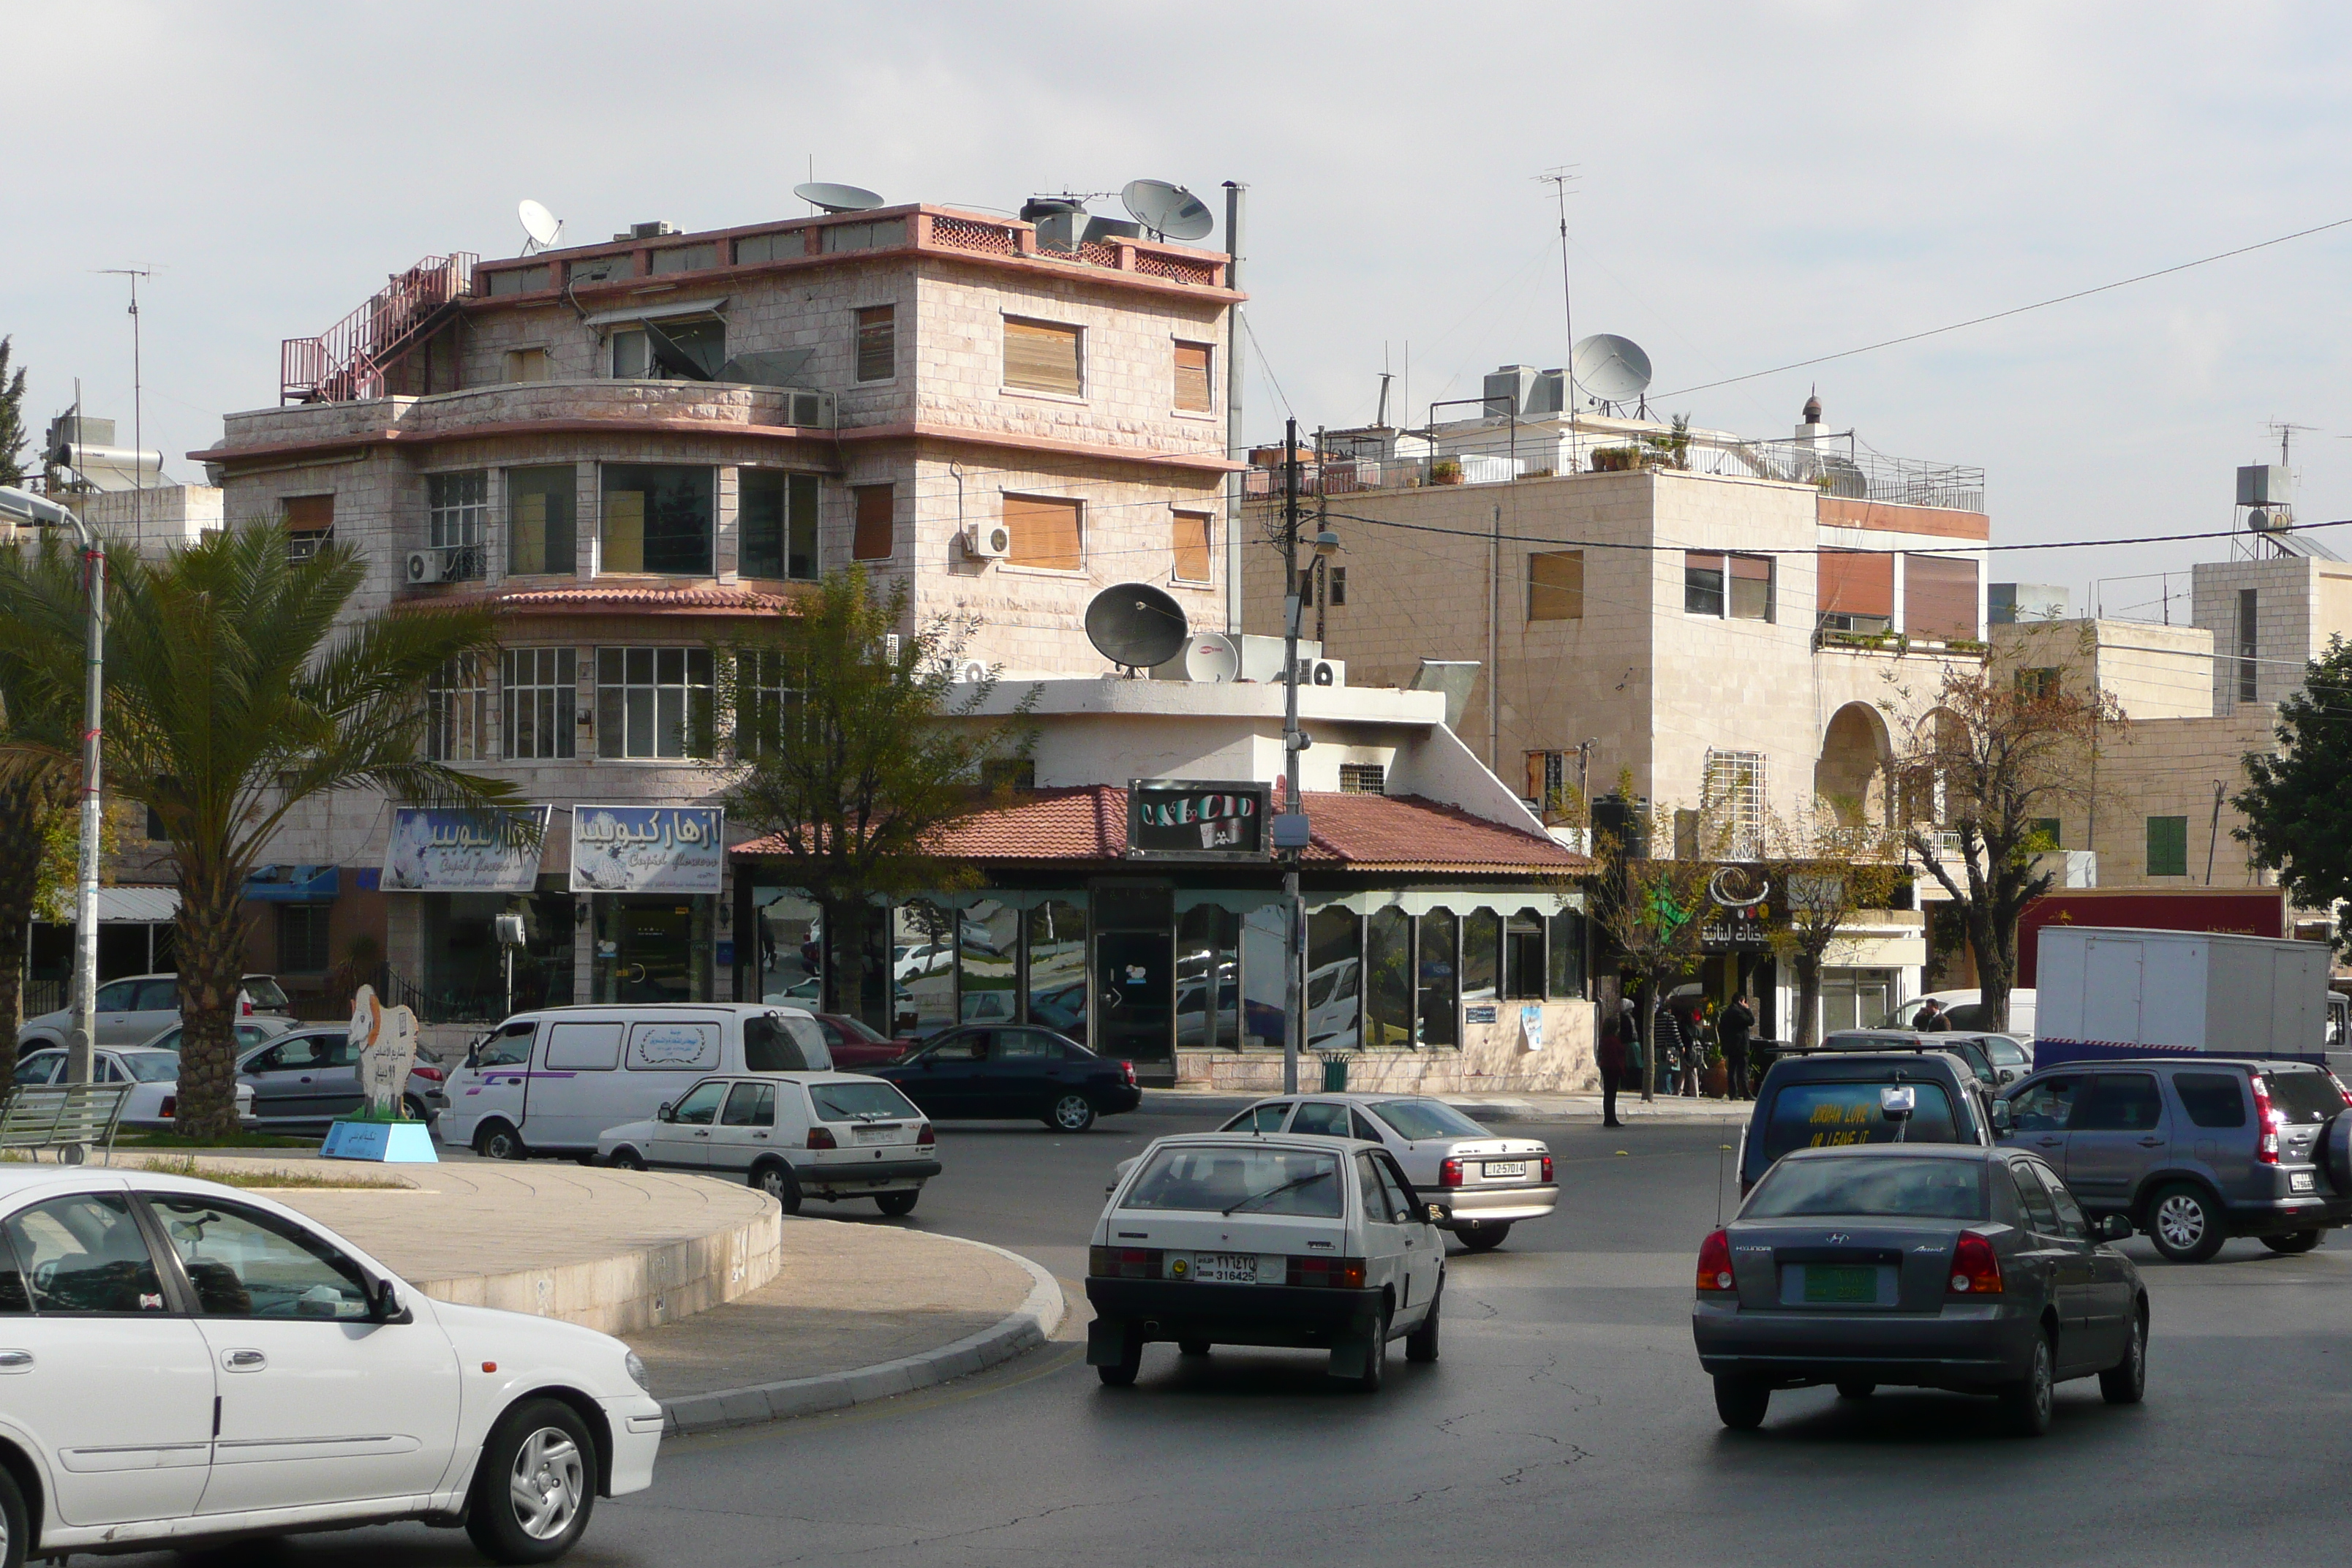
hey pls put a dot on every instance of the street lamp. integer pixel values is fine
(38, 511)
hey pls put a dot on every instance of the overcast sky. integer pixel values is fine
(1760, 184)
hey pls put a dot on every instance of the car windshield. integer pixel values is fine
(858, 1101)
(151, 1066)
(1828, 1115)
(1216, 1178)
(1871, 1184)
(265, 991)
(2303, 1098)
(1971, 1051)
(1418, 1118)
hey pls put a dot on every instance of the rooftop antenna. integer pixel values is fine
(1171, 212)
(1559, 179)
(542, 228)
(138, 431)
(838, 198)
(2285, 433)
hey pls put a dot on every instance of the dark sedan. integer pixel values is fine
(1931, 1266)
(1000, 1072)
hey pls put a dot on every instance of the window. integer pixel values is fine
(1834, 1115)
(1437, 1017)
(156, 832)
(1897, 1188)
(1018, 773)
(1734, 792)
(2168, 846)
(1856, 591)
(1041, 356)
(84, 1254)
(838, 1101)
(540, 534)
(656, 519)
(1548, 779)
(303, 938)
(246, 1264)
(582, 1047)
(457, 506)
(669, 350)
(1258, 1119)
(1192, 384)
(700, 1106)
(310, 524)
(1047, 532)
(1939, 596)
(1243, 1178)
(654, 701)
(1555, 585)
(1318, 1118)
(1363, 778)
(2211, 1098)
(2249, 644)
(1715, 584)
(1338, 577)
(1702, 584)
(2037, 685)
(878, 343)
(2045, 1107)
(457, 711)
(1190, 541)
(2049, 830)
(766, 702)
(2118, 1103)
(511, 1048)
(776, 522)
(2033, 1199)
(539, 691)
(1752, 588)
(877, 508)
(749, 1105)
(2071, 1224)
(527, 365)
(782, 1045)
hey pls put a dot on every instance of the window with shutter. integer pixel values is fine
(2168, 846)
(876, 505)
(1856, 591)
(1190, 546)
(1040, 356)
(1752, 588)
(1192, 378)
(1702, 583)
(1555, 585)
(1939, 596)
(1046, 532)
(878, 343)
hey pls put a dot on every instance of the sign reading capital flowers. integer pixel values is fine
(435, 850)
(648, 849)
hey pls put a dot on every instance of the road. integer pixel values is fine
(1568, 1418)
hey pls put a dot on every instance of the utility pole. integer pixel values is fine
(1290, 840)
(1494, 635)
(138, 417)
(1236, 447)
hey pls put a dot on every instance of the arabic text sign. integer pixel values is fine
(437, 850)
(648, 849)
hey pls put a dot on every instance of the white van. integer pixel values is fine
(548, 1082)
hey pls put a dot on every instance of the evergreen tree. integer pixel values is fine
(12, 418)
(2298, 811)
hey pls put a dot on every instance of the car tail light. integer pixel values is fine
(244, 1006)
(1123, 1262)
(1449, 1173)
(822, 1138)
(170, 1106)
(1976, 1271)
(1547, 1170)
(432, 1074)
(1335, 1273)
(2338, 1082)
(1715, 1262)
(926, 1137)
(2267, 1147)
(1126, 1069)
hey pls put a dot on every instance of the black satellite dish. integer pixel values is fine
(1136, 625)
(1169, 211)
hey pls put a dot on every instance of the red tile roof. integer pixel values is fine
(1353, 832)
(707, 599)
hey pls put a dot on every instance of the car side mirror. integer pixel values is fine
(473, 1057)
(2003, 1123)
(2111, 1227)
(664, 1113)
(385, 1304)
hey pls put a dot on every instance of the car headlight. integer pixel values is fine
(637, 1373)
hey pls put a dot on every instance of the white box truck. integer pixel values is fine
(2105, 992)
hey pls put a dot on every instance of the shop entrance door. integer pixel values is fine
(654, 956)
(1135, 995)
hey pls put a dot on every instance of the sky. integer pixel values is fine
(1756, 184)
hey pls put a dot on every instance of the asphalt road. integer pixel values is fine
(1567, 1419)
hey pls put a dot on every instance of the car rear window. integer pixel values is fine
(775, 1043)
(1257, 1181)
(151, 1066)
(1418, 1118)
(265, 991)
(2303, 1098)
(1827, 1115)
(851, 1101)
(2211, 1098)
(1871, 1184)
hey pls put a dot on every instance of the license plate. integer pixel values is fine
(1498, 1169)
(862, 1134)
(1840, 1285)
(1224, 1268)
(2299, 1181)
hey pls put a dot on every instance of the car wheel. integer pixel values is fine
(1420, 1345)
(1855, 1388)
(15, 1525)
(2185, 1224)
(2125, 1382)
(535, 1485)
(499, 1142)
(2293, 1241)
(1120, 1373)
(895, 1204)
(2025, 1403)
(1482, 1238)
(1376, 1360)
(626, 1159)
(776, 1179)
(412, 1107)
(1192, 1347)
(1741, 1401)
(1071, 1113)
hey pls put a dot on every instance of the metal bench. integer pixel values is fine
(67, 1117)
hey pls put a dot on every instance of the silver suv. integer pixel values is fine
(2193, 1150)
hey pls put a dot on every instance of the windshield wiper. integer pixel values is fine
(1277, 1191)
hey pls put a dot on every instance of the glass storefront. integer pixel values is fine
(988, 946)
(1265, 998)
(1208, 979)
(786, 960)
(1333, 979)
(653, 947)
(1388, 963)
(1057, 966)
(1437, 1010)
(465, 968)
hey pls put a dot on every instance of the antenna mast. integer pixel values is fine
(1559, 179)
(138, 423)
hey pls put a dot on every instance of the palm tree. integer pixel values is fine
(239, 690)
(38, 770)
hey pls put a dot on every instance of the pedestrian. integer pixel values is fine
(1734, 1025)
(1694, 1051)
(1629, 1032)
(1612, 1062)
(1668, 1027)
(1931, 1018)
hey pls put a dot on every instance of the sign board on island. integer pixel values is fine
(648, 849)
(1197, 819)
(445, 849)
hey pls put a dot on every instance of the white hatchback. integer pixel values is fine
(153, 1074)
(181, 1362)
(831, 1135)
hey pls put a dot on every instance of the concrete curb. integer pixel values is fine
(1030, 1323)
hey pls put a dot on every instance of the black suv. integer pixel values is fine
(2194, 1150)
(1823, 1099)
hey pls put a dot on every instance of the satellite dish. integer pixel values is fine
(1607, 368)
(1212, 659)
(543, 228)
(838, 198)
(1136, 625)
(1169, 211)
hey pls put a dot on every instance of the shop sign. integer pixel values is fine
(648, 849)
(447, 850)
(1196, 819)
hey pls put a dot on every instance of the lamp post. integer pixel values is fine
(22, 506)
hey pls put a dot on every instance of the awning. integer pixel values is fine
(290, 885)
(137, 906)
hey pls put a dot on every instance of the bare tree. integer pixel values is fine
(1822, 871)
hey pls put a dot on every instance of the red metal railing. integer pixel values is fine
(347, 362)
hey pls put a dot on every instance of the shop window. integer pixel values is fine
(2168, 846)
(1047, 532)
(876, 509)
(540, 534)
(1387, 979)
(776, 524)
(1437, 1012)
(1555, 585)
(654, 702)
(1481, 956)
(1208, 979)
(878, 343)
(922, 968)
(988, 962)
(538, 698)
(1042, 356)
(1193, 383)
(1565, 937)
(1057, 966)
(1189, 544)
(1523, 957)
(788, 955)
(653, 948)
(303, 938)
(527, 365)
(458, 711)
(1335, 972)
(1265, 992)
(657, 520)
(1363, 778)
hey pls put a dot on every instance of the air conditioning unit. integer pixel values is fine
(811, 410)
(426, 566)
(973, 673)
(988, 541)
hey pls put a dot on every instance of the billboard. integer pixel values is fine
(453, 849)
(1197, 819)
(2244, 912)
(648, 849)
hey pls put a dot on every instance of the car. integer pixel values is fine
(1970, 1049)
(1264, 1239)
(1967, 1011)
(1480, 1182)
(2195, 1150)
(190, 1363)
(834, 1136)
(994, 1072)
(137, 1007)
(1929, 1266)
(154, 1077)
(311, 1077)
(249, 1032)
(855, 1043)
(1829, 1099)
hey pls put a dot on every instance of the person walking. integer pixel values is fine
(1667, 1027)
(1613, 1061)
(1931, 1018)
(1693, 1051)
(1733, 1026)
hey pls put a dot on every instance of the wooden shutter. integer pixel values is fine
(876, 506)
(1857, 583)
(1046, 532)
(1190, 546)
(1040, 356)
(1193, 377)
(1555, 585)
(1939, 596)
(309, 514)
(878, 343)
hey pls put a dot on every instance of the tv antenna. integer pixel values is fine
(1171, 212)
(542, 228)
(1610, 369)
(1559, 179)
(137, 429)
(1136, 625)
(838, 198)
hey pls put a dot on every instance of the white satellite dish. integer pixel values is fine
(542, 227)
(1212, 659)
(1167, 210)
(1607, 368)
(835, 198)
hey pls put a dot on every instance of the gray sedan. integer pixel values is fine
(1934, 1266)
(308, 1077)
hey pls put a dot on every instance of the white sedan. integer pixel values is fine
(183, 1361)
(154, 1077)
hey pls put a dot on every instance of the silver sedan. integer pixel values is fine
(1483, 1183)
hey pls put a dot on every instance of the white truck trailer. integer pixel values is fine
(2105, 992)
